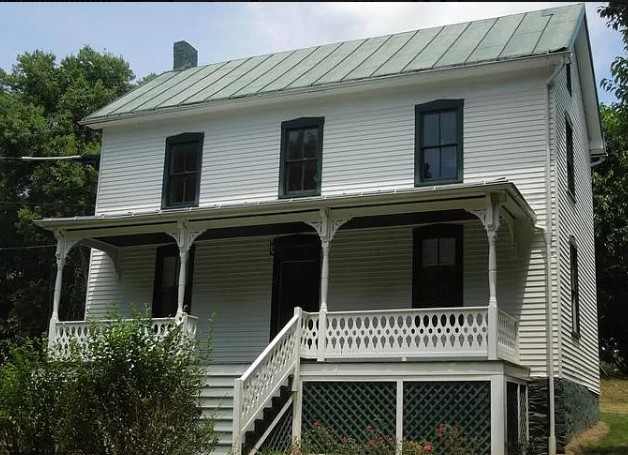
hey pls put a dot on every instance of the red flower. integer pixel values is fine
(369, 427)
(344, 439)
(427, 448)
(315, 424)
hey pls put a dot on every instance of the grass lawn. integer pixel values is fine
(610, 436)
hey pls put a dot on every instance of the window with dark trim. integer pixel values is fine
(438, 142)
(301, 157)
(568, 74)
(437, 266)
(571, 187)
(166, 284)
(182, 170)
(575, 290)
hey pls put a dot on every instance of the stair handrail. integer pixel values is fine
(257, 386)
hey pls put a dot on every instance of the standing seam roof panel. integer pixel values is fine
(558, 31)
(286, 65)
(134, 94)
(229, 78)
(496, 39)
(464, 46)
(329, 62)
(304, 65)
(158, 90)
(353, 60)
(207, 81)
(526, 36)
(409, 51)
(437, 48)
(251, 76)
(174, 92)
(380, 56)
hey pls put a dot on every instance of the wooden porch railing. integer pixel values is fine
(414, 334)
(65, 334)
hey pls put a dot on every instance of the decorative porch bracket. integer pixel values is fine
(114, 252)
(490, 219)
(184, 237)
(64, 245)
(326, 229)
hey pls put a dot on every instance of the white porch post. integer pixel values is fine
(498, 416)
(490, 219)
(63, 248)
(185, 238)
(326, 229)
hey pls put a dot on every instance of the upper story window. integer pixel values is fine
(438, 142)
(437, 268)
(301, 157)
(182, 170)
(568, 74)
(575, 290)
(571, 187)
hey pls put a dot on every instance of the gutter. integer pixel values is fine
(549, 294)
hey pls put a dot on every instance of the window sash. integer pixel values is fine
(182, 170)
(570, 163)
(575, 290)
(300, 169)
(442, 149)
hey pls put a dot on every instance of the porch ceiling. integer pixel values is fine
(375, 209)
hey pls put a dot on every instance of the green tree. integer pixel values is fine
(610, 197)
(41, 102)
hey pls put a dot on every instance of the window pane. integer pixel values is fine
(176, 189)
(449, 163)
(447, 251)
(295, 140)
(190, 188)
(310, 177)
(448, 128)
(310, 141)
(178, 159)
(431, 163)
(191, 158)
(294, 176)
(429, 252)
(430, 133)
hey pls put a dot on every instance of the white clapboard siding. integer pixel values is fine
(109, 294)
(368, 144)
(579, 357)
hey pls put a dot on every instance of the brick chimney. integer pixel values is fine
(184, 56)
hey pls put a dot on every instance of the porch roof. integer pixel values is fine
(152, 227)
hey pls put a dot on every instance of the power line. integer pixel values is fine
(46, 203)
(13, 248)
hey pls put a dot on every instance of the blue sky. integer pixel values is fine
(143, 33)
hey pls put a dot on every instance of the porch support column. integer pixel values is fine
(64, 245)
(185, 238)
(326, 229)
(490, 219)
(498, 416)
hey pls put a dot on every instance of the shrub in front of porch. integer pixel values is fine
(137, 393)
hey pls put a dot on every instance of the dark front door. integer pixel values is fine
(166, 285)
(296, 278)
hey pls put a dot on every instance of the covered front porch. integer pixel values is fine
(335, 281)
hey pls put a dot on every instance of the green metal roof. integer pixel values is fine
(498, 39)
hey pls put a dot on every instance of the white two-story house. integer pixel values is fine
(396, 229)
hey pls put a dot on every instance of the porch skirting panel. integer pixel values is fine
(432, 411)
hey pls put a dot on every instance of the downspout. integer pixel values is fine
(549, 295)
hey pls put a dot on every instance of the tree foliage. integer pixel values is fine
(125, 391)
(41, 102)
(610, 197)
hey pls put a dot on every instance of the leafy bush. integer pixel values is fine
(30, 388)
(128, 390)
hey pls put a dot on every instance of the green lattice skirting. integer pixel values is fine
(348, 408)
